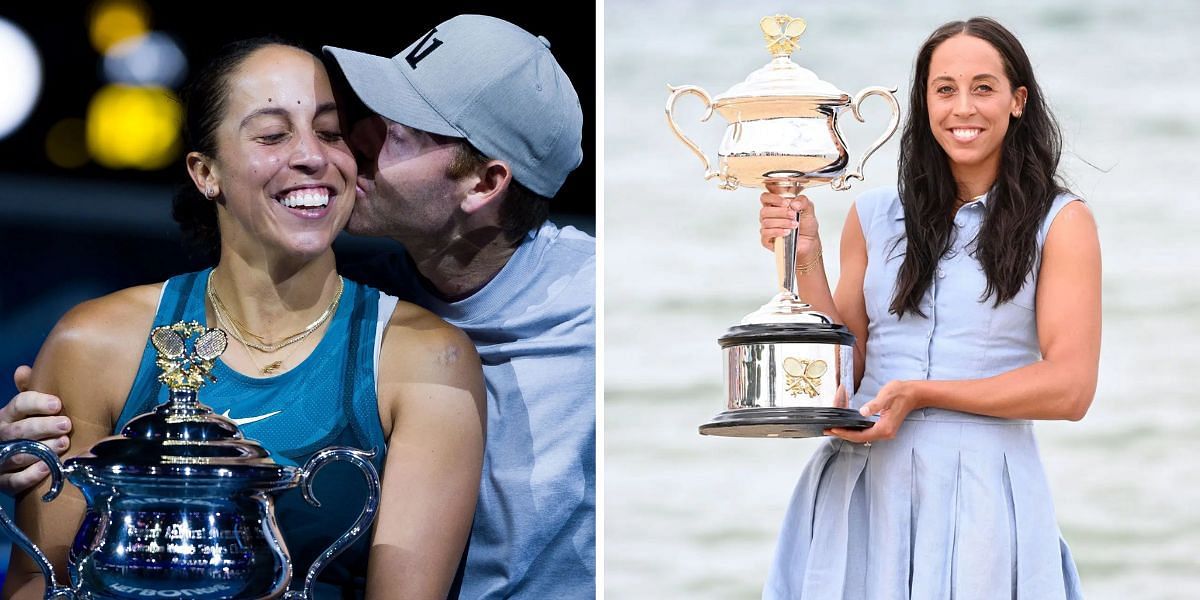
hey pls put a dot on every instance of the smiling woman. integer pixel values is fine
(279, 148)
(270, 114)
(319, 360)
(973, 291)
(970, 104)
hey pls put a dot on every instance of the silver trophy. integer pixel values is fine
(180, 505)
(789, 370)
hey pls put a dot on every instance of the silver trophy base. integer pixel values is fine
(792, 378)
(791, 422)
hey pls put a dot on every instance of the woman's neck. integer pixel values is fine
(975, 180)
(277, 300)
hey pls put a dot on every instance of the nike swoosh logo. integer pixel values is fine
(248, 420)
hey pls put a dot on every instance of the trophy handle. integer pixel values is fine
(360, 459)
(46, 455)
(676, 93)
(843, 182)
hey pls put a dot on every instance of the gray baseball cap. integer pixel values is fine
(483, 79)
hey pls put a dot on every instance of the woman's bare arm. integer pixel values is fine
(1063, 383)
(89, 360)
(433, 403)
(846, 304)
(851, 304)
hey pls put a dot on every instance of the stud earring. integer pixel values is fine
(209, 192)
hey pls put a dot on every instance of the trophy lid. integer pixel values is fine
(181, 435)
(781, 76)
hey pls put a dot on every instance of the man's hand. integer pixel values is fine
(30, 415)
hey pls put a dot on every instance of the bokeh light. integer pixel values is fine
(151, 59)
(134, 127)
(66, 144)
(22, 70)
(114, 21)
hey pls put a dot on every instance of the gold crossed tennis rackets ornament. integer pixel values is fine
(180, 368)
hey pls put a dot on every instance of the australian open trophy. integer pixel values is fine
(789, 370)
(180, 505)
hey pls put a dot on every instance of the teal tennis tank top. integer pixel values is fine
(327, 400)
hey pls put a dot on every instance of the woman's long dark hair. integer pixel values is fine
(204, 102)
(1019, 200)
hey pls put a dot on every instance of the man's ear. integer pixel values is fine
(204, 174)
(488, 188)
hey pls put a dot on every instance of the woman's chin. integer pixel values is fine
(309, 245)
(972, 158)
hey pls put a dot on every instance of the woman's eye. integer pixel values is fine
(984, 88)
(945, 89)
(331, 136)
(272, 138)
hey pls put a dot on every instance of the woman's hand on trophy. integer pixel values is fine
(778, 217)
(893, 403)
(30, 415)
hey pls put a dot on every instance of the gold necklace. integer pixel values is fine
(964, 201)
(242, 331)
(222, 318)
(267, 346)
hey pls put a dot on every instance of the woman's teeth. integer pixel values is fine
(306, 199)
(965, 134)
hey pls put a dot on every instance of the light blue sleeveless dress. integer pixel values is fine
(957, 505)
(327, 400)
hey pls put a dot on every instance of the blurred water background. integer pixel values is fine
(697, 517)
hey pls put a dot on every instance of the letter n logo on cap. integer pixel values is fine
(420, 51)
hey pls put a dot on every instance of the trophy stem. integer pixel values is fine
(785, 247)
(181, 401)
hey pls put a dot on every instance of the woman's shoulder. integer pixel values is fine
(94, 349)
(875, 204)
(108, 320)
(1066, 204)
(416, 339)
(423, 356)
(876, 199)
(1064, 199)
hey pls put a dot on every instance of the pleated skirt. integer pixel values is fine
(955, 507)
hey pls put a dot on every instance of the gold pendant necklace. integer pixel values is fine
(223, 319)
(238, 329)
(266, 346)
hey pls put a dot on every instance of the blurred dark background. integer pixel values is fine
(86, 178)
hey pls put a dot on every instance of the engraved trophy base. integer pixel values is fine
(787, 379)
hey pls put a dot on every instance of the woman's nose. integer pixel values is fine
(309, 154)
(964, 105)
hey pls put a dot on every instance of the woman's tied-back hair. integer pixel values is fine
(204, 103)
(1026, 183)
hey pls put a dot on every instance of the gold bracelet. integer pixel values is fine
(810, 265)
